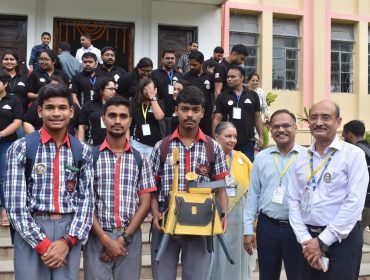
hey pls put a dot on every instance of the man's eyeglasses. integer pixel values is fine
(44, 59)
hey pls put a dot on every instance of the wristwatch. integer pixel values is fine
(127, 237)
(323, 247)
(153, 99)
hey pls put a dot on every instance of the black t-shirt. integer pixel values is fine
(162, 80)
(116, 73)
(221, 73)
(367, 202)
(205, 82)
(138, 120)
(84, 85)
(207, 62)
(91, 114)
(128, 85)
(17, 87)
(10, 110)
(32, 117)
(249, 104)
(37, 79)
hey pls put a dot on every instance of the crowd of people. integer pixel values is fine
(86, 153)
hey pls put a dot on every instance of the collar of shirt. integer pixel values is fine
(275, 149)
(200, 135)
(106, 145)
(336, 144)
(46, 137)
(88, 49)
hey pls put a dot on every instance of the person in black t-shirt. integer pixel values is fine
(17, 82)
(129, 84)
(32, 121)
(10, 120)
(237, 56)
(147, 113)
(218, 54)
(108, 68)
(240, 106)
(205, 82)
(50, 66)
(91, 128)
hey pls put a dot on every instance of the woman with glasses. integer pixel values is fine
(147, 112)
(50, 66)
(91, 128)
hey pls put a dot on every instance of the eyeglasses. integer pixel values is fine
(44, 59)
(284, 126)
(324, 118)
(110, 88)
(145, 71)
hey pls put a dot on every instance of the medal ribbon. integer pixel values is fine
(92, 81)
(145, 111)
(282, 173)
(324, 163)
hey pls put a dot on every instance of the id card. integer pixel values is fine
(229, 180)
(91, 94)
(102, 125)
(170, 89)
(278, 195)
(305, 200)
(146, 129)
(237, 113)
(231, 191)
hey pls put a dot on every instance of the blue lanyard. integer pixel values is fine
(323, 171)
(230, 161)
(92, 81)
(238, 98)
(12, 85)
(170, 76)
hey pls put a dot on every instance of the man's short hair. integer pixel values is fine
(283, 111)
(45, 33)
(190, 95)
(219, 49)
(197, 55)
(212, 63)
(192, 42)
(145, 62)
(108, 48)
(356, 127)
(168, 51)
(87, 35)
(4, 77)
(89, 55)
(53, 90)
(65, 46)
(238, 68)
(240, 49)
(117, 101)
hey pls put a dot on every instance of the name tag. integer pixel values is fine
(278, 195)
(305, 200)
(146, 129)
(231, 191)
(170, 89)
(237, 113)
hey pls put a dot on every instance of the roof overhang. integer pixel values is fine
(205, 2)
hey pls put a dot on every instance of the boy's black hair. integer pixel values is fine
(240, 49)
(190, 95)
(4, 77)
(356, 127)
(197, 55)
(117, 101)
(54, 90)
(89, 55)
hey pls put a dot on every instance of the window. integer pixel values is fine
(285, 54)
(342, 39)
(244, 30)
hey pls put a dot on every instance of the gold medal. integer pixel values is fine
(327, 177)
(191, 176)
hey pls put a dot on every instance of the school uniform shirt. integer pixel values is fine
(139, 120)
(91, 49)
(221, 73)
(249, 104)
(32, 117)
(115, 73)
(51, 189)
(336, 200)
(118, 186)
(164, 82)
(90, 116)
(265, 178)
(10, 110)
(37, 79)
(17, 87)
(83, 85)
(191, 159)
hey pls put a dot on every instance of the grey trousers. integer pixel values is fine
(195, 258)
(125, 268)
(27, 262)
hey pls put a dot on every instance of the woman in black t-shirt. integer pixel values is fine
(10, 120)
(147, 112)
(91, 128)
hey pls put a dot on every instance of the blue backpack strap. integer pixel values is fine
(76, 147)
(95, 153)
(138, 159)
(32, 145)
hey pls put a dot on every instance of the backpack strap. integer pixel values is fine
(364, 148)
(164, 148)
(76, 147)
(95, 153)
(32, 145)
(138, 159)
(210, 154)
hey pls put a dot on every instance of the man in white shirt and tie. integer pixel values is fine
(85, 40)
(327, 192)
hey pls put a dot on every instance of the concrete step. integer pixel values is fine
(366, 236)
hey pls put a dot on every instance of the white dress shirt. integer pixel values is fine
(92, 49)
(337, 202)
